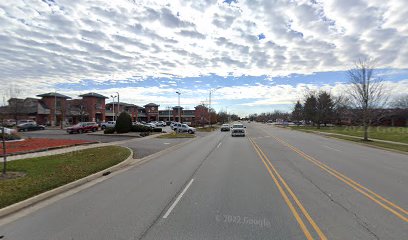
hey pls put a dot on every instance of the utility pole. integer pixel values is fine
(209, 105)
(55, 109)
(168, 109)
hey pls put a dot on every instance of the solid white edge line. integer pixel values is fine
(177, 199)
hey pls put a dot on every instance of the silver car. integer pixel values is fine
(238, 130)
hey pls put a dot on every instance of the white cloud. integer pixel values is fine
(50, 42)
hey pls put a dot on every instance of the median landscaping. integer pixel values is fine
(29, 177)
(177, 135)
(39, 144)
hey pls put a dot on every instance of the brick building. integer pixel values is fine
(55, 108)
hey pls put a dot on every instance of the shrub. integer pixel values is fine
(109, 130)
(140, 128)
(144, 134)
(156, 130)
(9, 137)
(123, 123)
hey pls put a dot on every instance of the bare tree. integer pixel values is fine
(366, 91)
(400, 102)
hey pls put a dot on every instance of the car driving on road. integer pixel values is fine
(225, 127)
(238, 130)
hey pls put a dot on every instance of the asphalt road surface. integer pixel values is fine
(273, 184)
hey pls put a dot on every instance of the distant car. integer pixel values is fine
(186, 128)
(24, 127)
(83, 127)
(225, 127)
(238, 130)
(108, 124)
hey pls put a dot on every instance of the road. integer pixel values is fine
(273, 184)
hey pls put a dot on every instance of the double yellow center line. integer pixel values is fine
(383, 202)
(282, 186)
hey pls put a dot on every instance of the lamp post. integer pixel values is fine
(209, 105)
(113, 107)
(179, 112)
(116, 115)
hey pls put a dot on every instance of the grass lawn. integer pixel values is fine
(176, 135)
(207, 129)
(396, 134)
(378, 144)
(49, 172)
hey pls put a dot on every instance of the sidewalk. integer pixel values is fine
(343, 135)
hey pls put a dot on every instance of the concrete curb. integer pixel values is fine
(45, 195)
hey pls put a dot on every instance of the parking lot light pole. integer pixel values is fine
(179, 112)
(118, 106)
(113, 107)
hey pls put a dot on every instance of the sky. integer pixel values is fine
(256, 55)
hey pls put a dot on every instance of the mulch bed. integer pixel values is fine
(39, 144)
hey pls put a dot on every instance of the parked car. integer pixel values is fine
(26, 121)
(186, 128)
(9, 123)
(151, 125)
(83, 127)
(108, 124)
(175, 125)
(161, 124)
(24, 127)
(168, 123)
(225, 127)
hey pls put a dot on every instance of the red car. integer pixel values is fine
(83, 127)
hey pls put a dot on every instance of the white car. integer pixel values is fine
(186, 128)
(108, 124)
(7, 130)
(175, 125)
(151, 125)
(238, 130)
(161, 124)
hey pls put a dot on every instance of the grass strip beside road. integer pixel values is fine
(395, 134)
(49, 172)
(176, 135)
(397, 147)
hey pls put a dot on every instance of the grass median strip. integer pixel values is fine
(41, 174)
(177, 135)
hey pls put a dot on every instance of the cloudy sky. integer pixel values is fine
(261, 54)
